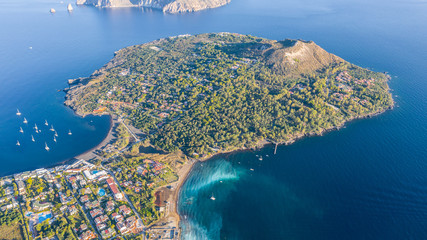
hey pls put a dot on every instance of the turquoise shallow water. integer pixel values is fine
(366, 181)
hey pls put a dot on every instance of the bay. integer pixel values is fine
(366, 181)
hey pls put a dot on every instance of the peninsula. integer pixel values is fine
(169, 6)
(175, 101)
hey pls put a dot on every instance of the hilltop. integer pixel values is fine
(169, 6)
(214, 93)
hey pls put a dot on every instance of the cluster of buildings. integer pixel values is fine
(346, 77)
(99, 209)
(80, 188)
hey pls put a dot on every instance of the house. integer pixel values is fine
(101, 226)
(122, 228)
(107, 233)
(83, 227)
(94, 204)
(63, 208)
(72, 210)
(84, 198)
(101, 219)
(21, 187)
(125, 210)
(113, 186)
(117, 217)
(9, 190)
(63, 198)
(87, 235)
(109, 206)
(96, 212)
(40, 206)
(95, 174)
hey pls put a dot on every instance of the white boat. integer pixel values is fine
(45, 123)
(69, 7)
(213, 198)
(260, 158)
(46, 147)
(52, 10)
(35, 127)
(18, 112)
(251, 169)
(69, 132)
(56, 134)
(17, 143)
(54, 139)
(25, 121)
(32, 138)
(51, 128)
(21, 130)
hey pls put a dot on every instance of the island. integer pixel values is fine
(168, 6)
(173, 102)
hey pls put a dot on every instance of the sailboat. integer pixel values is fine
(45, 123)
(32, 138)
(69, 132)
(51, 128)
(46, 147)
(56, 134)
(35, 127)
(213, 198)
(25, 121)
(21, 130)
(69, 7)
(17, 143)
(54, 139)
(18, 112)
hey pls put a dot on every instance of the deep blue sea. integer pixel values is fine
(366, 181)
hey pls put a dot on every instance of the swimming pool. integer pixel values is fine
(43, 217)
(95, 171)
(101, 192)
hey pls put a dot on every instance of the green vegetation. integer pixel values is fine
(139, 178)
(122, 140)
(216, 92)
(11, 225)
(36, 186)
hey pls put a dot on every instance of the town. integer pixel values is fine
(78, 201)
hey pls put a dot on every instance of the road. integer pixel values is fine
(126, 196)
(133, 135)
(87, 215)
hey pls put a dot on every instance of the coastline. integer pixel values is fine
(261, 144)
(89, 154)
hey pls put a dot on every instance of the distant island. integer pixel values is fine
(169, 6)
(173, 102)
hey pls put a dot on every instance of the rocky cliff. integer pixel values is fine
(169, 6)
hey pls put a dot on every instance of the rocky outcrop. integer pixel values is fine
(179, 6)
(169, 6)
